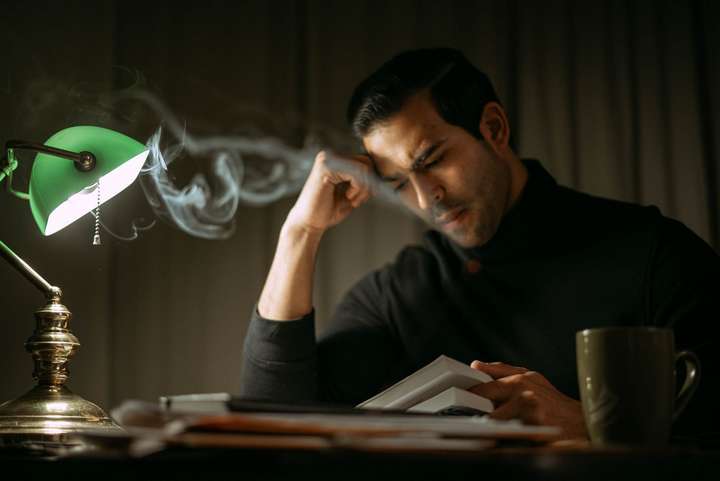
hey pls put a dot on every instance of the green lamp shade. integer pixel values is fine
(60, 193)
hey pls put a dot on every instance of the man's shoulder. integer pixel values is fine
(603, 218)
(627, 223)
(584, 205)
(566, 203)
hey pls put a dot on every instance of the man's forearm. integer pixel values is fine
(287, 293)
(280, 358)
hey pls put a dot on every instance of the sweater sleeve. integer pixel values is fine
(279, 360)
(351, 361)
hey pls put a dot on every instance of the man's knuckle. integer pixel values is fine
(515, 379)
(530, 399)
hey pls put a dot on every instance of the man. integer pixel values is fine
(516, 266)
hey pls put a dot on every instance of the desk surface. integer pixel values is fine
(500, 463)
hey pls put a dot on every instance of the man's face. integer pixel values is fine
(441, 172)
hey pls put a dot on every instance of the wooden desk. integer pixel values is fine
(265, 465)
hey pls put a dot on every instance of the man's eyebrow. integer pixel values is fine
(417, 163)
(425, 154)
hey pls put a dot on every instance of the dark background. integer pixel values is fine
(615, 98)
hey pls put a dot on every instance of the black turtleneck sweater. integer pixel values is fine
(561, 261)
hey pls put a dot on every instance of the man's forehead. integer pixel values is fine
(394, 149)
(394, 152)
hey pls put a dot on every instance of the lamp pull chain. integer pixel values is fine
(96, 237)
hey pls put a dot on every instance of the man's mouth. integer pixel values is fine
(451, 219)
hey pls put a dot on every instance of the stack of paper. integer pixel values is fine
(150, 429)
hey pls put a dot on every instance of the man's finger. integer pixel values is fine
(360, 199)
(525, 407)
(358, 180)
(495, 391)
(497, 369)
(353, 190)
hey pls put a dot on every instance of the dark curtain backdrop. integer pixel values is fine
(615, 98)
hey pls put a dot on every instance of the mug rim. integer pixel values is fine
(632, 329)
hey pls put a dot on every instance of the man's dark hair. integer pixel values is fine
(458, 89)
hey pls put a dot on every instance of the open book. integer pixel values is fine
(440, 387)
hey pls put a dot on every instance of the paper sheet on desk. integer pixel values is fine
(361, 422)
(367, 425)
(151, 429)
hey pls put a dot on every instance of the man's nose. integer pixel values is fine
(429, 192)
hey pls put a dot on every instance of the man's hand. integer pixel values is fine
(335, 187)
(518, 393)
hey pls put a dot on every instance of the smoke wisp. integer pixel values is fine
(206, 206)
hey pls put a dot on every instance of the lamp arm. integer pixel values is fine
(8, 166)
(50, 291)
(84, 161)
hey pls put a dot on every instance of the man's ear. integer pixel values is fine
(494, 126)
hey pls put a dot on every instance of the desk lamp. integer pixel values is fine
(75, 171)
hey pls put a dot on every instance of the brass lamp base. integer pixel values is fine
(48, 418)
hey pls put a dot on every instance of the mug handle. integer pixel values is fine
(692, 380)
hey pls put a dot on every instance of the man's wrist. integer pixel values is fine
(299, 232)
